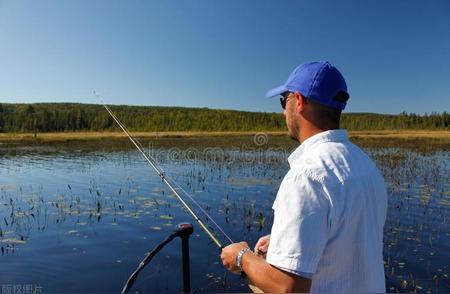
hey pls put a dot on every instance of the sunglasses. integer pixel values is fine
(284, 99)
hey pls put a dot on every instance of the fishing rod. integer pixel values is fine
(171, 183)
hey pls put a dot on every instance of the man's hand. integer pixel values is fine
(262, 245)
(263, 275)
(228, 256)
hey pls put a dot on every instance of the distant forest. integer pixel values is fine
(61, 117)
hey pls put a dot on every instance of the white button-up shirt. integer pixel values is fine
(329, 216)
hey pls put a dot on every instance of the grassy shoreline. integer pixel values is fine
(69, 136)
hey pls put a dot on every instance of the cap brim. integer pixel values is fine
(276, 91)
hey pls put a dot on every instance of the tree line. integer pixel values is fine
(63, 117)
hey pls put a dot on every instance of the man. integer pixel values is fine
(330, 209)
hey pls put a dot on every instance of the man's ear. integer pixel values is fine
(300, 101)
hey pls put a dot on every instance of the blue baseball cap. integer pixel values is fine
(319, 81)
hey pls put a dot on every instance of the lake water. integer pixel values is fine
(80, 216)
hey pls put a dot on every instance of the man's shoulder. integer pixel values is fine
(331, 162)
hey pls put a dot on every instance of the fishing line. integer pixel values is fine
(202, 210)
(170, 182)
(171, 179)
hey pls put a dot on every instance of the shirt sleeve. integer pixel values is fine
(300, 229)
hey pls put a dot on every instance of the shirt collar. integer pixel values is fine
(339, 135)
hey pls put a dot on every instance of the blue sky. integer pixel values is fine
(395, 55)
